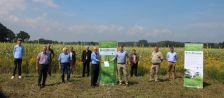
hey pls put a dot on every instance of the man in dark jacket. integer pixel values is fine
(73, 55)
(86, 59)
(51, 52)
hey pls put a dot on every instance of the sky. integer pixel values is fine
(121, 20)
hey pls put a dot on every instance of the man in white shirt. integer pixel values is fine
(122, 65)
(172, 59)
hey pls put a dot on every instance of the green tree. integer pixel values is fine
(23, 35)
(143, 43)
(6, 34)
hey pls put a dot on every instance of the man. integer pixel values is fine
(43, 61)
(86, 59)
(122, 64)
(156, 60)
(51, 52)
(95, 60)
(73, 55)
(65, 61)
(134, 62)
(18, 54)
(172, 59)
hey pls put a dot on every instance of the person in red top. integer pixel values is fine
(134, 63)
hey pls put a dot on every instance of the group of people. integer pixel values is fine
(67, 60)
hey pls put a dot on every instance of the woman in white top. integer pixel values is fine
(172, 59)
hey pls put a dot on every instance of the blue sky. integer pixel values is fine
(121, 20)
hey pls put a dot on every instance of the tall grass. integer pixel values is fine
(213, 60)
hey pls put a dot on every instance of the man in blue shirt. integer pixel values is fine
(95, 60)
(65, 62)
(18, 53)
(172, 59)
(122, 65)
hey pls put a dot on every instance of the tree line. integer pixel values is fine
(7, 35)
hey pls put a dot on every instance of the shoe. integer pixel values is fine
(97, 85)
(43, 85)
(12, 77)
(63, 81)
(20, 77)
(126, 83)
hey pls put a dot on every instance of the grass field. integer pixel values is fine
(213, 59)
(80, 87)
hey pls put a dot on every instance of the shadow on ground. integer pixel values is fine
(2, 95)
(206, 84)
(132, 83)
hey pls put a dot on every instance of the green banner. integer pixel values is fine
(193, 65)
(107, 50)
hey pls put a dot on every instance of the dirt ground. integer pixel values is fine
(139, 87)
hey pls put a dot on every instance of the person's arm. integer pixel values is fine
(23, 51)
(167, 56)
(52, 53)
(127, 56)
(14, 50)
(59, 58)
(161, 56)
(71, 61)
(75, 58)
(59, 61)
(137, 58)
(93, 57)
(89, 56)
(83, 56)
(176, 56)
(70, 54)
(150, 58)
(115, 57)
(130, 58)
(37, 62)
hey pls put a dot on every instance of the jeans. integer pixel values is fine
(65, 67)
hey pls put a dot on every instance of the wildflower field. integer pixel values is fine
(139, 87)
(213, 59)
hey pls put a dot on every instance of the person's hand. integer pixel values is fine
(59, 66)
(161, 60)
(111, 61)
(101, 61)
(37, 67)
(127, 63)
